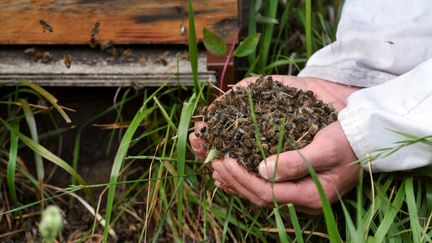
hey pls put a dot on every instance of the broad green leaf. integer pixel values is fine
(247, 46)
(214, 43)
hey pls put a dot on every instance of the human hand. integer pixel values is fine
(331, 93)
(329, 154)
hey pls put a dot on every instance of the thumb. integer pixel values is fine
(320, 154)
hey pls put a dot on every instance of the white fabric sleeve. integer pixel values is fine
(376, 41)
(403, 104)
(385, 45)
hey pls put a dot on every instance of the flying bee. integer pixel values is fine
(95, 29)
(45, 26)
(67, 59)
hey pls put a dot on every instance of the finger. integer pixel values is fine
(225, 189)
(224, 176)
(292, 164)
(198, 126)
(197, 145)
(302, 192)
(218, 178)
(335, 183)
(291, 81)
(322, 154)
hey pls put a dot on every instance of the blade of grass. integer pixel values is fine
(412, 209)
(11, 166)
(267, 34)
(251, 28)
(45, 153)
(118, 162)
(295, 223)
(50, 98)
(227, 219)
(328, 212)
(257, 130)
(308, 27)
(280, 226)
(182, 135)
(193, 49)
(390, 215)
(40, 172)
(165, 114)
(355, 235)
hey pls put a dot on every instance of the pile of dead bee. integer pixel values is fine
(280, 111)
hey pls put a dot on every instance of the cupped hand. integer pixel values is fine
(331, 93)
(329, 154)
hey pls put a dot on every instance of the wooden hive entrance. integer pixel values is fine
(161, 25)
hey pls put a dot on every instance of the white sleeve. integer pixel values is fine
(385, 45)
(403, 104)
(376, 41)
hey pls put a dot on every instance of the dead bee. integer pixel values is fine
(46, 57)
(67, 59)
(37, 55)
(104, 45)
(95, 29)
(45, 26)
(127, 53)
(32, 52)
(141, 61)
(113, 51)
(161, 60)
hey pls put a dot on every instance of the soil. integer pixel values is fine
(231, 130)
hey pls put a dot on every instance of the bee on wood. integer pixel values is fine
(33, 53)
(93, 43)
(105, 45)
(67, 59)
(46, 57)
(45, 26)
(127, 53)
(161, 61)
(95, 29)
(113, 51)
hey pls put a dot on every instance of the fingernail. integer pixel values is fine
(217, 184)
(266, 169)
(196, 148)
(228, 166)
(216, 166)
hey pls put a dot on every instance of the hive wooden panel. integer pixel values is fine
(121, 21)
